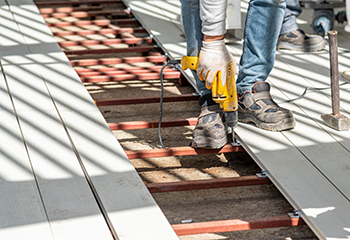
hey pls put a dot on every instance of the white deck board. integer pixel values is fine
(122, 194)
(317, 142)
(21, 208)
(310, 164)
(323, 207)
(69, 203)
(320, 144)
(292, 73)
(45, 51)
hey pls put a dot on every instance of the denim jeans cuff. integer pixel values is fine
(240, 91)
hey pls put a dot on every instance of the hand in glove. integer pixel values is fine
(213, 61)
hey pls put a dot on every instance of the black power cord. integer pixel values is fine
(312, 89)
(170, 63)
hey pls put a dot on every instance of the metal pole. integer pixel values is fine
(333, 55)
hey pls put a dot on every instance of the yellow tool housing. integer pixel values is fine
(226, 95)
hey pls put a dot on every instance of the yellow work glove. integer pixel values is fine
(213, 61)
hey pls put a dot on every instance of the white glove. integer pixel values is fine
(213, 60)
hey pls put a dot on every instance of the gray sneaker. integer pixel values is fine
(298, 40)
(210, 131)
(258, 107)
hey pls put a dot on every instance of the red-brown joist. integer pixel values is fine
(84, 72)
(100, 22)
(152, 124)
(122, 72)
(57, 3)
(123, 77)
(68, 9)
(113, 31)
(84, 14)
(90, 32)
(125, 21)
(127, 69)
(113, 50)
(206, 184)
(101, 42)
(142, 100)
(180, 151)
(107, 61)
(126, 32)
(236, 225)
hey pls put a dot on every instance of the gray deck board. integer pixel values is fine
(70, 206)
(90, 157)
(122, 193)
(310, 164)
(80, 168)
(323, 207)
(312, 138)
(21, 206)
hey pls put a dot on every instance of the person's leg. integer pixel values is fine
(262, 27)
(293, 38)
(210, 131)
(293, 10)
(192, 26)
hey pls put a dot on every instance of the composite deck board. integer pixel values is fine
(291, 74)
(70, 206)
(21, 208)
(323, 207)
(305, 189)
(120, 192)
(310, 164)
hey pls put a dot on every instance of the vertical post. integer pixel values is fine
(333, 55)
(336, 120)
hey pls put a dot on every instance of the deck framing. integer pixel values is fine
(310, 164)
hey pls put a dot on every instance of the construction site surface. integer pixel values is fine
(70, 169)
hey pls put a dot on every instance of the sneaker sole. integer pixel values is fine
(285, 124)
(292, 47)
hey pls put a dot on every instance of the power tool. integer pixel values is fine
(226, 95)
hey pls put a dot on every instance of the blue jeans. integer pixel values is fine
(293, 10)
(262, 28)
